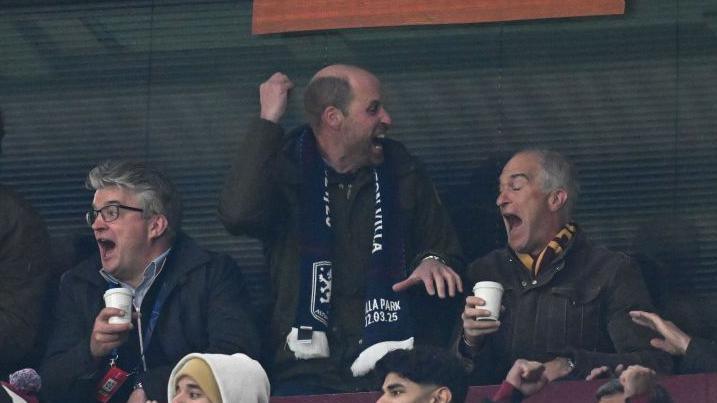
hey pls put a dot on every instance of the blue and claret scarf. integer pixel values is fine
(387, 320)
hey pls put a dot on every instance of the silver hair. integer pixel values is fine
(558, 173)
(154, 190)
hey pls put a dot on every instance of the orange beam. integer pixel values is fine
(273, 16)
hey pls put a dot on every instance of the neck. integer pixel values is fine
(159, 246)
(332, 154)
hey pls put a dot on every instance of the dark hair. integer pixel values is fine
(154, 190)
(613, 387)
(427, 366)
(323, 92)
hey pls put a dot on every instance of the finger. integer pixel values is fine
(106, 313)
(406, 284)
(476, 313)
(450, 278)
(430, 288)
(459, 282)
(474, 301)
(110, 328)
(619, 369)
(438, 280)
(595, 373)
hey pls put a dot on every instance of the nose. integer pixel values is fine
(381, 399)
(99, 223)
(501, 200)
(385, 117)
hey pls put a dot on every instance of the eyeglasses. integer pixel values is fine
(109, 213)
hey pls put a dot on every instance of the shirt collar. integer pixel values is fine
(150, 272)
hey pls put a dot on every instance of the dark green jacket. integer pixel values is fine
(261, 199)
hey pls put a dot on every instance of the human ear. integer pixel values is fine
(557, 199)
(442, 395)
(158, 226)
(332, 117)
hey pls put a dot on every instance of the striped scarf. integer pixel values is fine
(555, 248)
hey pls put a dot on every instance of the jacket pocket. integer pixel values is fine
(574, 318)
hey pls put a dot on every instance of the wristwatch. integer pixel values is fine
(436, 258)
(137, 385)
(571, 364)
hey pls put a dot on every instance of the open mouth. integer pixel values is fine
(106, 246)
(377, 141)
(512, 221)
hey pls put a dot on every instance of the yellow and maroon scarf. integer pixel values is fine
(555, 248)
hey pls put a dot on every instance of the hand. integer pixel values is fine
(273, 95)
(138, 396)
(675, 340)
(637, 380)
(527, 376)
(106, 336)
(435, 276)
(474, 329)
(604, 372)
(557, 368)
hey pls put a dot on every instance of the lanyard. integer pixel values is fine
(151, 325)
(153, 319)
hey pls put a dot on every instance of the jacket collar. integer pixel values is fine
(395, 153)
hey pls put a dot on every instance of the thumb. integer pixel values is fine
(660, 344)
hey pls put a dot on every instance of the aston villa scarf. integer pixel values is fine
(386, 315)
(555, 248)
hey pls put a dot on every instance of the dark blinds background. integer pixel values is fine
(631, 99)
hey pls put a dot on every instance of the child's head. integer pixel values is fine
(196, 383)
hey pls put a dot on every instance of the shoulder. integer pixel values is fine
(86, 272)
(188, 255)
(14, 209)
(599, 257)
(398, 156)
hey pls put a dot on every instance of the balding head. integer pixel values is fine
(332, 86)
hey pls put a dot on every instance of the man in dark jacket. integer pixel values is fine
(566, 300)
(188, 299)
(24, 272)
(349, 221)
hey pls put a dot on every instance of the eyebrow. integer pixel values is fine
(394, 386)
(109, 203)
(519, 175)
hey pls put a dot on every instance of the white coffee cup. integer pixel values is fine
(120, 298)
(490, 292)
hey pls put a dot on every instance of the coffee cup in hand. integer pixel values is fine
(120, 298)
(492, 293)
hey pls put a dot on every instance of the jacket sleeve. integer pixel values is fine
(24, 272)
(432, 232)
(247, 198)
(230, 323)
(701, 356)
(626, 292)
(69, 373)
